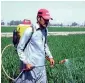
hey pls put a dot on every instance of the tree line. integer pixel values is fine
(17, 22)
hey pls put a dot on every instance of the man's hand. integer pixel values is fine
(29, 67)
(51, 60)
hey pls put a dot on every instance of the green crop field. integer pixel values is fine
(70, 29)
(7, 29)
(10, 29)
(71, 47)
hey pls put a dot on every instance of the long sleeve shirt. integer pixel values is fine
(36, 49)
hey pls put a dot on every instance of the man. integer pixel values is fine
(33, 56)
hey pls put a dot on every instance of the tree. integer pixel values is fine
(2, 23)
(74, 24)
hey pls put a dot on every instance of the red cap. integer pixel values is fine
(25, 21)
(44, 13)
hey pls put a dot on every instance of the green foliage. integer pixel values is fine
(11, 63)
(64, 29)
(7, 29)
(71, 47)
(67, 46)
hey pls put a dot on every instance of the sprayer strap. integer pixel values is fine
(29, 38)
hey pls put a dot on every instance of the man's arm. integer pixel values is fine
(47, 51)
(49, 56)
(26, 36)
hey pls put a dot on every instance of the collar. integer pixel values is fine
(38, 27)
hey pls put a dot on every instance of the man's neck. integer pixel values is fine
(42, 27)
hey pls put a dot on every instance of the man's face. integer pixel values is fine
(43, 22)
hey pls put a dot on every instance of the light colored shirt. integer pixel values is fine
(36, 49)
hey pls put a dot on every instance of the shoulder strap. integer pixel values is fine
(45, 38)
(29, 38)
(45, 35)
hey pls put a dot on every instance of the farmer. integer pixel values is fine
(34, 55)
